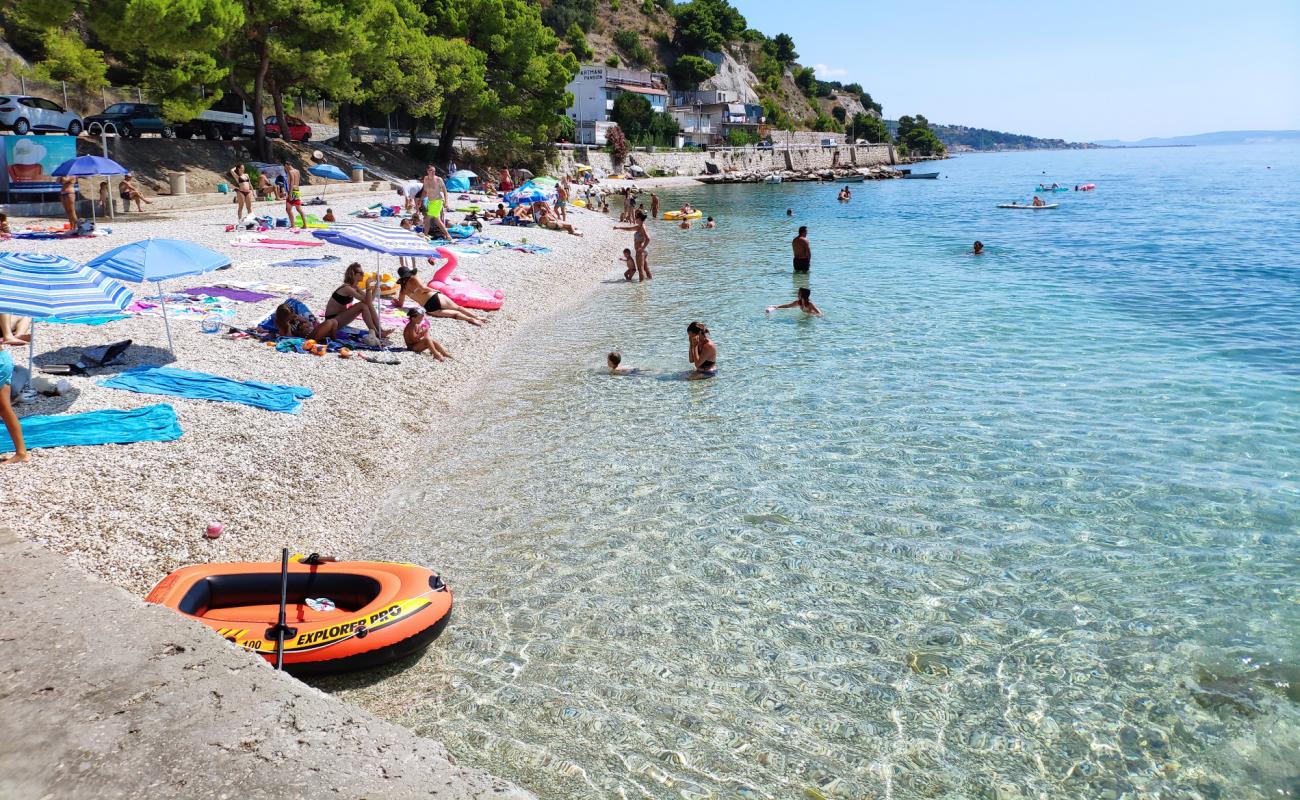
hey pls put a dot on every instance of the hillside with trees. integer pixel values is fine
(494, 69)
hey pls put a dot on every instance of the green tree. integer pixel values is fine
(739, 137)
(692, 70)
(839, 113)
(783, 48)
(806, 79)
(633, 114)
(69, 58)
(707, 25)
(625, 39)
(873, 129)
(827, 124)
(524, 75)
(578, 41)
(663, 128)
(560, 15)
(915, 137)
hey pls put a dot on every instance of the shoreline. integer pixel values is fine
(133, 513)
(127, 515)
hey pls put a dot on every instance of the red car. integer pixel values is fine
(299, 131)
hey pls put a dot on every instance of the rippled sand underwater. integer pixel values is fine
(1016, 526)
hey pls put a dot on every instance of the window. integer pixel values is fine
(49, 105)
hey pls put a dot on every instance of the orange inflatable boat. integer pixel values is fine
(339, 615)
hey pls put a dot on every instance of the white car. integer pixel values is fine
(25, 114)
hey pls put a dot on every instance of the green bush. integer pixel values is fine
(625, 40)
(612, 61)
(614, 5)
(737, 137)
(578, 41)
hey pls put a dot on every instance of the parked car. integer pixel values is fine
(130, 120)
(226, 119)
(299, 131)
(829, 143)
(25, 114)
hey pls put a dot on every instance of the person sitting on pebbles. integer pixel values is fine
(417, 338)
(435, 303)
(349, 301)
(290, 323)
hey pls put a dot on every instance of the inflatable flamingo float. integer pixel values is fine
(462, 291)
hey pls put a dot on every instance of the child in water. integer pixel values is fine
(615, 361)
(803, 302)
(708, 223)
(631, 264)
(418, 340)
(686, 225)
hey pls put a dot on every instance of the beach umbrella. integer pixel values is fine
(530, 193)
(89, 167)
(380, 240)
(43, 286)
(328, 171)
(544, 181)
(158, 260)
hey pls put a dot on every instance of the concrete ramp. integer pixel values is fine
(106, 696)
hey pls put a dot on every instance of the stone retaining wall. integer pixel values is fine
(797, 159)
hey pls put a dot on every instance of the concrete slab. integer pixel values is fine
(103, 695)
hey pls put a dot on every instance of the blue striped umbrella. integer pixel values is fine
(377, 238)
(43, 286)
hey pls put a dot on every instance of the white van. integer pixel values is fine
(226, 119)
(829, 143)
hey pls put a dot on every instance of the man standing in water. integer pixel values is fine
(802, 250)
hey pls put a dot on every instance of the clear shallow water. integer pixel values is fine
(1020, 525)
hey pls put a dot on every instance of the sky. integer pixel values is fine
(1058, 68)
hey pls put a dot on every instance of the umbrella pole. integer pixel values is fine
(31, 351)
(166, 324)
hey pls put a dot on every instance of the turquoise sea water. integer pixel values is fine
(1021, 525)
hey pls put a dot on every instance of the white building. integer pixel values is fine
(596, 86)
(706, 117)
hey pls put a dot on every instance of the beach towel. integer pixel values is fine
(87, 320)
(323, 261)
(237, 295)
(110, 426)
(205, 386)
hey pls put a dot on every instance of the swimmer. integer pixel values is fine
(1038, 202)
(709, 223)
(845, 195)
(803, 302)
(615, 362)
(703, 353)
(417, 338)
(977, 248)
(789, 212)
(686, 225)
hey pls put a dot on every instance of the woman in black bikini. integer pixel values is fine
(435, 303)
(243, 192)
(703, 352)
(68, 197)
(342, 308)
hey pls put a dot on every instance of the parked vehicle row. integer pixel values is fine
(227, 119)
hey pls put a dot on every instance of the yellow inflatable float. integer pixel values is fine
(679, 215)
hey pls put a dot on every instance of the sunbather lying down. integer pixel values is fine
(433, 301)
(544, 216)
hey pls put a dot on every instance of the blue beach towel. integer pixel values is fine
(111, 426)
(308, 262)
(204, 386)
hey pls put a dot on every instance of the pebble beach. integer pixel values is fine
(312, 481)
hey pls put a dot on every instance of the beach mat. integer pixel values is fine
(205, 386)
(110, 426)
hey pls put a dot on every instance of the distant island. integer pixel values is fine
(1218, 137)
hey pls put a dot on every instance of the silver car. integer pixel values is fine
(26, 114)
